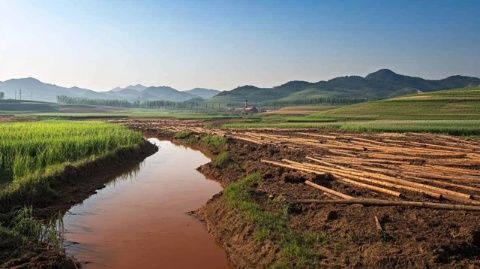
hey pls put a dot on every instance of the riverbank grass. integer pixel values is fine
(31, 152)
(296, 250)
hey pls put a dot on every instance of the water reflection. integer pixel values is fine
(138, 219)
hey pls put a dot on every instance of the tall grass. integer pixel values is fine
(30, 150)
(33, 231)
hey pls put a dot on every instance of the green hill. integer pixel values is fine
(342, 90)
(459, 104)
(455, 111)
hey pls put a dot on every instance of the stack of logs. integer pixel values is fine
(391, 164)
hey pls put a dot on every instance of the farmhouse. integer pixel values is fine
(248, 109)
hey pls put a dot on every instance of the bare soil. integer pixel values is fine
(412, 238)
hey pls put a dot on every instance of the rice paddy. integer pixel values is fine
(30, 151)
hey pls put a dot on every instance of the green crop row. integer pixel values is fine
(29, 150)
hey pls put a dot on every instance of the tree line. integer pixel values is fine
(317, 100)
(193, 104)
(201, 105)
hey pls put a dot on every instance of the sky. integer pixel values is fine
(224, 44)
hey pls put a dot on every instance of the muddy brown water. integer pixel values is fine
(139, 220)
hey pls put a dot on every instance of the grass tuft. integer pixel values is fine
(296, 250)
(214, 143)
(29, 230)
(182, 135)
(222, 159)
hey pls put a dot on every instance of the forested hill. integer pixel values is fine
(341, 90)
(381, 84)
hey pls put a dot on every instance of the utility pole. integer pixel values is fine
(20, 95)
(15, 94)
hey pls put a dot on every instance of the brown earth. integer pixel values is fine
(412, 237)
(65, 190)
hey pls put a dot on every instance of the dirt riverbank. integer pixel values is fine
(407, 237)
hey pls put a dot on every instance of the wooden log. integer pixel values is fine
(378, 182)
(444, 169)
(455, 170)
(248, 140)
(377, 155)
(371, 187)
(447, 193)
(341, 152)
(343, 180)
(424, 171)
(319, 135)
(419, 178)
(380, 202)
(292, 167)
(358, 159)
(327, 190)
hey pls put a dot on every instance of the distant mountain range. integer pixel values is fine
(381, 84)
(34, 89)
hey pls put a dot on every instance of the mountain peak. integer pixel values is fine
(381, 74)
(138, 87)
(203, 93)
(28, 79)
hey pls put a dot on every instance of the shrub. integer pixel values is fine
(222, 159)
(214, 143)
(182, 135)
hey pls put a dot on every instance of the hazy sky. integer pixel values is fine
(223, 44)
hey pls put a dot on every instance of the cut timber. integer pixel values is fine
(445, 192)
(292, 167)
(373, 181)
(344, 180)
(371, 187)
(342, 152)
(327, 190)
(379, 202)
(364, 160)
(349, 180)
(248, 140)
(418, 178)
(344, 176)
(319, 135)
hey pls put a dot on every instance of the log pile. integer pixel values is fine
(395, 165)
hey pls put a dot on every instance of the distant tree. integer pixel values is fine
(63, 99)
(2, 95)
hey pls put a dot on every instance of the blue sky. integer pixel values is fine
(224, 44)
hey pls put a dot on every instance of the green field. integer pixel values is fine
(456, 104)
(138, 113)
(31, 151)
(454, 112)
(11, 107)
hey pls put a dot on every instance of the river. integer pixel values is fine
(139, 220)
